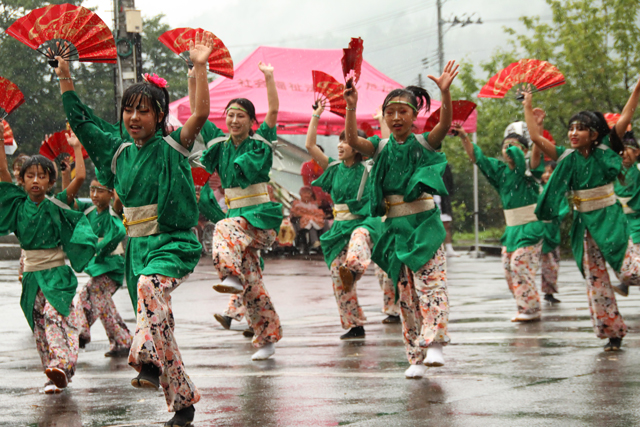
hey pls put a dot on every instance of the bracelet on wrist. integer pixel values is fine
(191, 77)
(64, 78)
(315, 115)
(350, 109)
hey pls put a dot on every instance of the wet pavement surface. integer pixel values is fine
(497, 373)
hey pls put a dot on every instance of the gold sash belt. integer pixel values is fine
(43, 259)
(625, 208)
(520, 216)
(594, 198)
(255, 194)
(396, 206)
(141, 221)
(341, 212)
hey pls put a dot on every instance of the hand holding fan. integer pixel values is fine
(72, 32)
(178, 40)
(461, 111)
(56, 145)
(539, 74)
(10, 145)
(326, 89)
(200, 176)
(352, 61)
(10, 97)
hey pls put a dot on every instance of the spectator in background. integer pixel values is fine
(311, 171)
(308, 219)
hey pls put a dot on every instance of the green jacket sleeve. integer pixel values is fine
(519, 160)
(490, 168)
(253, 162)
(11, 197)
(114, 234)
(209, 206)
(550, 203)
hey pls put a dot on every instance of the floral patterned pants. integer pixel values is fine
(154, 341)
(56, 336)
(629, 274)
(389, 305)
(549, 266)
(424, 306)
(520, 269)
(236, 309)
(235, 252)
(93, 302)
(356, 256)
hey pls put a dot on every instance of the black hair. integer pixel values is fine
(343, 135)
(629, 140)
(19, 161)
(521, 139)
(156, 96)
(418, 97)
(596, 122)
(551, 164)
(43, 162)
(248, 106)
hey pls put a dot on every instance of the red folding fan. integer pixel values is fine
(72, 32)
(10, 145)
(612, 119)
(326, 89)
(461, 111)
(367, 129)
(540, 74)
(177, 40)
(200, 176)
(352, 60)
(10, 97)
(56, 145)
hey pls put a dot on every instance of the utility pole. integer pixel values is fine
(440, 36)
(127, 29)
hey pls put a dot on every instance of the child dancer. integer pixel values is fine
(347, 245)
(522, 238)
(599, 232)
(625, 187)
(47, 230)
(94, 301)
(152, 177)
(243, 161)
(407, 170)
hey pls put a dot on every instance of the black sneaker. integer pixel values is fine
(149, 377)
(551, 299)
(82, 342)
(248, 333)
(391, 320)
(118, 352)
(354, 333)
(182, 418)
(622, 290)
(225, 321)
(614, 344)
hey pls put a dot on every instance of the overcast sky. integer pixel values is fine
(397, 34)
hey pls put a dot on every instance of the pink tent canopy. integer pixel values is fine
(295, 90)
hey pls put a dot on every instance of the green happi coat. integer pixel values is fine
(552, 228)
(407, 169)
(155, 173)
(517, 188)
(607, 226)
(630, 188)
(208, 205)
(343, 183)
(47, 225)
(248, 164)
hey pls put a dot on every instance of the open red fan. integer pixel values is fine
(461, 112)
(540, 74)
(367, 129)
(612, 119)
(352, 60)
(57, 145)
(10, 145)
(177, 40)
(200, 176)
(328, 90)
(47, 29)
(10, 97)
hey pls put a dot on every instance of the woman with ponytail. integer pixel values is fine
(152, 177)
(600, 232)
(407, 172)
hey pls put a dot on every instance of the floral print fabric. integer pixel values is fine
(93, 302)
(154, 341)
(520, 269)
(56, 336)
(235, 252)
(236, 309)
(630, 271)
(549, 266)
(424, 305)
(389, 305)
(607, 320)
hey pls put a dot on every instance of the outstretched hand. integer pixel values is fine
(320, 108)
(351, 94)
(200, 50)
(539, 114)
(62, 70)
(265, 68)
(444, 81)
(459, 130)
(73, 140)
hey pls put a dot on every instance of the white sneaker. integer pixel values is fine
(415, 371)
(52, 389)
(434, 355)
(230, 285)
(450, 252)
(523, 317)
(264, 352)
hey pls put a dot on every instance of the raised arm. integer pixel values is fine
(81, 174)
(539, 115)
(627, 112)
(117, 203)
(310, 143)
(361, 145)
(466, 142)
(199, 53)
(5, 174)
(546, 146)
(385, 132)
(191, 83)
(446, 114)
(272, 94)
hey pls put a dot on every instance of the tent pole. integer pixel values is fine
(476, 253)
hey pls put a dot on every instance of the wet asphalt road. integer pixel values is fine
(497, 373)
